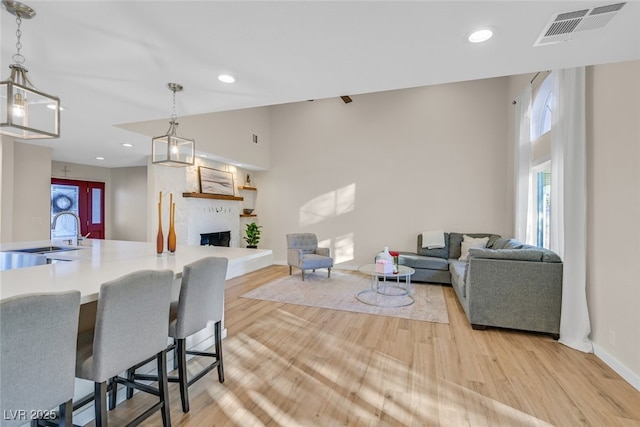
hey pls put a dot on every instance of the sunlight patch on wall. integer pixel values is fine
(328, 205)
(343, 249)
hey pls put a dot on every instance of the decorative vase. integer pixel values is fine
(160, 237)
(386, 255)
(171, 240)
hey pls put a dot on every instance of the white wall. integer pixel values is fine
(129, 203)
(613, 138)
(193, 216)
(380, 170)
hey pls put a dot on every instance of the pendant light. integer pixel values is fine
(25, 112)
(172, 149)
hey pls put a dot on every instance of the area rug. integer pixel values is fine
(339, 293)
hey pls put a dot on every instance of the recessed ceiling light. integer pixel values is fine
(226, 78)
(126, 144)
(99, 158)
(479, 36)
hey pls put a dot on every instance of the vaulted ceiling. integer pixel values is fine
(110, 61)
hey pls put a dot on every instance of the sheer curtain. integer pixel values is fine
(569, 203)
(523, 150)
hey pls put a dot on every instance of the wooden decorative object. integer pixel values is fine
(171, 240)
(160, 237)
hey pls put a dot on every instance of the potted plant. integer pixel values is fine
(253, 235)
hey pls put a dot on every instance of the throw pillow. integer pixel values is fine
(470, 242)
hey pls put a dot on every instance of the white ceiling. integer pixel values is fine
(109, 61)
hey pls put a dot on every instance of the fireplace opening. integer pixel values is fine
(220, 238)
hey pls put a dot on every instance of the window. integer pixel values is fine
(542, 108)
(543, 203)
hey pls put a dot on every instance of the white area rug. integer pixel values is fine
(339, 293)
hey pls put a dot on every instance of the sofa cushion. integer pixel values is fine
(510, 254)
(438, 252)
(513, 244)
(469, 243)
(418, 261)
(455, 242)
(499, 243)
(458, 271)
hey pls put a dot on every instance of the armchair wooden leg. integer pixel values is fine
(289, 270)
(329, 273)
(303, 275)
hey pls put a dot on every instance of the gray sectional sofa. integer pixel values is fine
(507, 284)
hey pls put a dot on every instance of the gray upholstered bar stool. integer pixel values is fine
(131, 326)
(201, 300)
(38, 334)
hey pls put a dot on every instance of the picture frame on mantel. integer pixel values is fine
(214, 181)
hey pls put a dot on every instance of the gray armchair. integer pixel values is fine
(303, 253)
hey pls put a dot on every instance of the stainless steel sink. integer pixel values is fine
(46, 250)
(13, 260)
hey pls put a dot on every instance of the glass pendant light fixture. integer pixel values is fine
(25, 112)
(172, 149)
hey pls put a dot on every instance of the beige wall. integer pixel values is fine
(6, 189)
(380, 170)
(613, 138)
(26, 168)
(227, 134)
(129, 203)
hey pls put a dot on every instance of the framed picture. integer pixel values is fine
(213, 181)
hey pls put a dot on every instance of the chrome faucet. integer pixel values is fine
(79, 237)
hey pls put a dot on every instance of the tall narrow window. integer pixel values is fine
(541, 169)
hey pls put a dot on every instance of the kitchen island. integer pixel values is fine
(87, 266)
(95, 262)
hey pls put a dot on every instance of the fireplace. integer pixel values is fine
(220, 238)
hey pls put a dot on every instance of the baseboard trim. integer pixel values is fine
(628, 375)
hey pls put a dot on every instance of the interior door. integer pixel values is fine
(85, 199)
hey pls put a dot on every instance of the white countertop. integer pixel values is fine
(99, 261)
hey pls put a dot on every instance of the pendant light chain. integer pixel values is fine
(29, 113)
(174, 116)
(18, 57)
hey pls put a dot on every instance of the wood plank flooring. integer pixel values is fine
(289, 365)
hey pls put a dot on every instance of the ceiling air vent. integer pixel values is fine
(562, 26)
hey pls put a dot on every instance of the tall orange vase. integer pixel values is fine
(171, 239)
(160, 238)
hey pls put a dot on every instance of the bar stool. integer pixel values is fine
(201, 300)
(131, 326)
(38, 334)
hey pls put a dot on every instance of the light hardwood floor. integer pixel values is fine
(289, 365)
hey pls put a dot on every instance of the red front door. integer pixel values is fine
(84, 198)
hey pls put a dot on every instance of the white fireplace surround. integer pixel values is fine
(194, 216)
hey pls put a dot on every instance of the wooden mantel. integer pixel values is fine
(212, 196)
